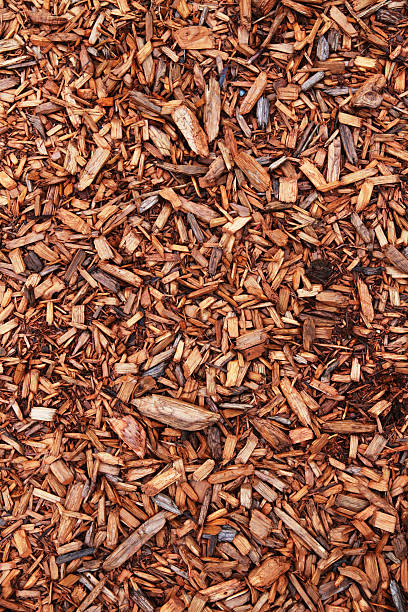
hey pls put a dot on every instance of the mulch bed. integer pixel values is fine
(203, 306)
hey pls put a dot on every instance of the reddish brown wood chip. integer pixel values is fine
(254, 93)
(257, 176)
(131, 432)
(369, 94)
(194, 37)
(269, 571)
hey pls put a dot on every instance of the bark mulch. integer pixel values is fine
(203, 305)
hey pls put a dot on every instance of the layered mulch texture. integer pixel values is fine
(203, 306)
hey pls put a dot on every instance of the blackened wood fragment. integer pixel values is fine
(76, 554)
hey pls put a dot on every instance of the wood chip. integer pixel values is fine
(135, 541)
(194, 37)
(188, 125)
(175, 413)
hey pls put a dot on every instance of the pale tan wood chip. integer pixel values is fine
(135, 541)
(252, 338)
(260, 525)
(396, 258)
(334, 160)
(342, 21)
(222, 590)
(99, 157)
(368, 95)
(62, 472)
(96, 591)
(42, 413)
(22, 543)
(204, 470)
(16, 243)
(216, 169)
(6, 181)
(349, 427)
(385, 522)
(313, 174)
(366, 302)
(288, 189)
(212, 109)
(175, 413)
(296, 402)
(161, 481)
(160, 139)
(333, 298)
(272, 434)
(302, 533)
(124, 275)
(74, 221)
(189, 126)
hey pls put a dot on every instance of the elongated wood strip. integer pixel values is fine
(365, 301)
(348, 427)
(254, 93)
(143, 101)
(304, 535)
(189, 126)
(334, 161)
(99, 157)
(342, 21)
(135, 541)
(43, 16)
(62, 472)
(24, 240)
(396, 258)
(124, 275)
(212, 109)
(349, 179)
(313, 174)
(296, 402)
(361, 229)
(215, 171)
(400, 153)
(131, 432)
(6, 181)
(96, 591)
(222, 590)
(161, 481)
(252, 338)
(74, 221)
(375, 499)
(201, 211)
(175, 413)
(255, 173)
(272, 434)
(231, 473)
(160, 139)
